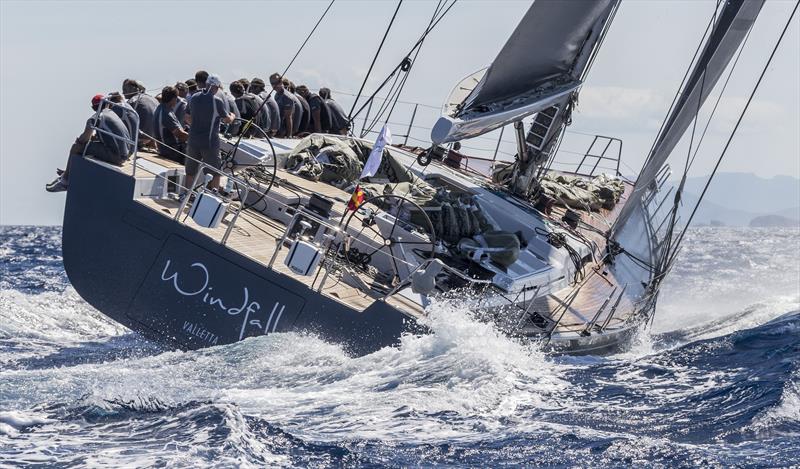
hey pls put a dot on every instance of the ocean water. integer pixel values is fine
(714, 383)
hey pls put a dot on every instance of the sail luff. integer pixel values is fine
(735, 20)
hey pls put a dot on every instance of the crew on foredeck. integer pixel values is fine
(249, 104)
(258, 87)
(320, 116)
(339, 122)
(112, 147)
(289, 107)
(305, 117)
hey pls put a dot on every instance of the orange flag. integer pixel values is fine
(356, 200)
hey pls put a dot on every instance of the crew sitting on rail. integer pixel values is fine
(305, 117)
(273, 116)
(320, 116)
(290, 109)
(248, 105)
(144, 105)
(205, 111)
(169, 133)
(114, 148)
(339, 123)
(123, 110)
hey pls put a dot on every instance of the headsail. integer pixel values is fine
(542, 63)
(732, 26)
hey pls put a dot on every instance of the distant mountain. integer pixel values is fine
(770, 221)
(736, 199)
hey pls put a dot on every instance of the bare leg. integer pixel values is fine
(214, 184)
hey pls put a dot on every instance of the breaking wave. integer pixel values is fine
(715, 383)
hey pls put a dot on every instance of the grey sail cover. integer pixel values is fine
(543, 47)
(734, 21)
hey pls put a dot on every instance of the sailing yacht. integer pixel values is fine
(571, 259)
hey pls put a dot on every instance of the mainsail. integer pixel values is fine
(541, 64)
(734, 21)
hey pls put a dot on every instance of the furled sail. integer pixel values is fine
(734, 21)
(540, 65)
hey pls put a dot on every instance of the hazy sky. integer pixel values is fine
(54, 56)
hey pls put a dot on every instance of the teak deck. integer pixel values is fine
(257, 236)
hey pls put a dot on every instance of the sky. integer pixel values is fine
(55, 55)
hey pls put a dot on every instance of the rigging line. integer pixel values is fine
(413, 61)
(394, 96)
(719, 98)
(680, 88)
(303, 45)
(679, 192)
(374, 59)
(444, 13)
(369, 128)
(736, 127)
(291, 62)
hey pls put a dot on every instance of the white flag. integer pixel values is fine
(375, 157)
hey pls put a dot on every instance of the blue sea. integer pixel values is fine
(714, 383)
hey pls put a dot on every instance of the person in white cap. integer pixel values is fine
(205, 111)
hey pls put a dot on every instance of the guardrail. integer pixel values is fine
(523, 300)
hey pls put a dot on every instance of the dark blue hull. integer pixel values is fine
(179, 287)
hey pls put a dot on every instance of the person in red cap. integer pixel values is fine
(112, 144)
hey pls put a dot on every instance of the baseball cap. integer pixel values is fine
(213, 80)
(97, 99)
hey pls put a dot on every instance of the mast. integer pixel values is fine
(734, 22)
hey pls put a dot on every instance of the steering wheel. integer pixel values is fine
(363, 220)
(270, 169)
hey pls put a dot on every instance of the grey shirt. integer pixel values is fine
(206, 110)
(110, 122)
(317, 103)
(248, 105)
(144, 105)
(125, 112)
(305, 121)
(180, 110)
(337, 116)
(287, 100)
(233, 128)
(274, 113)
(165, 123)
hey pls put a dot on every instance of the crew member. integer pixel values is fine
(144, 105)
(233, 127)
(248, 105)
(454, 157)
(169, 133)
(124, 111)
(205, 111)
(320, 117)
(180, 108)
(273, 116)
(290, 109)
(113, 145)
(339, 123)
